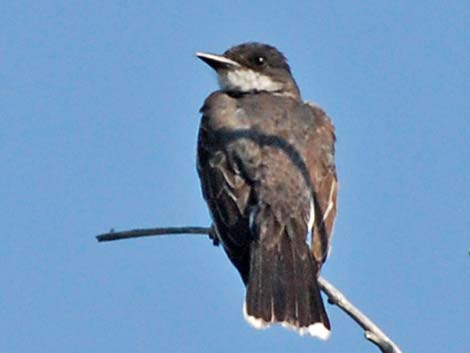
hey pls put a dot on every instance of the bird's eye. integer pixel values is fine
(260, 60)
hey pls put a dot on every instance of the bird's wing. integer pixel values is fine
(320, 159)
(226, 187)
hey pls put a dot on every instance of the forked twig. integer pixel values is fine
(371, 331)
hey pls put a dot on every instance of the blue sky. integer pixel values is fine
(98, 123)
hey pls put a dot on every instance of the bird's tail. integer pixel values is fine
(282, 287)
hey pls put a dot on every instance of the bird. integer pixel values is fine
(266, 163)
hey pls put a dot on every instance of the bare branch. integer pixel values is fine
(147, 232)
(371, 331)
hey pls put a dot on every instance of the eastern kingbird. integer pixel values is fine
(267, 170)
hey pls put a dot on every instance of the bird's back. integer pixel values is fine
(267, 149)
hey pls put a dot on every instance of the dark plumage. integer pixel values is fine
(266, 164)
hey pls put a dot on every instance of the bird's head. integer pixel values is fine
(252, 67)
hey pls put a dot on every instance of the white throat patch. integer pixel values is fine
(246, 80)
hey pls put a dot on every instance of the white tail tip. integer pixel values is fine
(317, 329)
(257, 323)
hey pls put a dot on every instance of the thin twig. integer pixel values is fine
(147, 232)
(371, 331)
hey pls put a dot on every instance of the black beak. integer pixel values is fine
(217, 62)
